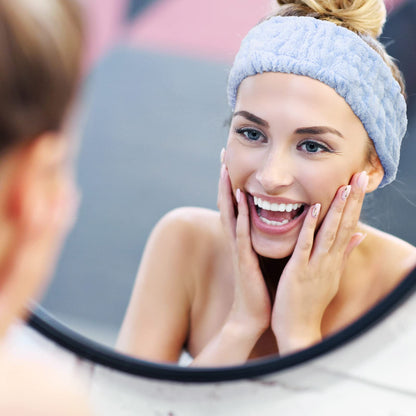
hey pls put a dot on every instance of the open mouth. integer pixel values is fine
(277, 214)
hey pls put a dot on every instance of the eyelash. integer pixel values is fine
(322, 147)
(244, 131)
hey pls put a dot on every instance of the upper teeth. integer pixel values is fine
(275, 207)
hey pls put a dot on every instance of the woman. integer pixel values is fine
(318, 117)
(40, 54)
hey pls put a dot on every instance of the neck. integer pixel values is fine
(272, 270)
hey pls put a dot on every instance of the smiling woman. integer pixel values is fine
(319, 115)
(311, 145)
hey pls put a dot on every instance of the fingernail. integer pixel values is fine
(223, 171)
(361, 239)
(346, 192)
(315, 210)
(237, 195)
(222, 155)
(363, 180)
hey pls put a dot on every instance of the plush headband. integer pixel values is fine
(339, 58)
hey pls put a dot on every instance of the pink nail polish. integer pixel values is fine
(223, 171)
(237, 195)
(363, 180)
(360, 239)
(346, 192)
(315, 210)
(222, 155)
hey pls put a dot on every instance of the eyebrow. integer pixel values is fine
(318, 130)
(252, 117)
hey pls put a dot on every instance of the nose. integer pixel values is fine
(276, 172)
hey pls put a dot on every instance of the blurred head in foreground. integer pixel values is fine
(40, 55)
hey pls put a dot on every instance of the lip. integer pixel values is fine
(273, 229)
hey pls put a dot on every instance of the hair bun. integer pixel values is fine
(361, 16)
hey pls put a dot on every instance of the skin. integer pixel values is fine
(209, 293)
(38, 203)
(278, 164)
(29, 388)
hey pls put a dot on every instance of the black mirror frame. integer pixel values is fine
(85, 348)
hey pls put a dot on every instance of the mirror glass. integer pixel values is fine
(154, 120)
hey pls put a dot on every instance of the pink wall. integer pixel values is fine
(206, 29)
(211, 29)
(104, 27)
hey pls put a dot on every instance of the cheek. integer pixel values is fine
(240, 163)
(323, 183)
(321, 186)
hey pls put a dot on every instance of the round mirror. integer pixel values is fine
(101, 355)
(155, 119)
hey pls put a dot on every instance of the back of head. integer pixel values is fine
(366, 18)
(40, 47)
(40, 60)
(40, 51)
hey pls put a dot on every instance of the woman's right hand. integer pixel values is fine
(251, 308)
(250, 313)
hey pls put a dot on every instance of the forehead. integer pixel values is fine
(294, 96)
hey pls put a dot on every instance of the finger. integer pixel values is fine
(226, 202)
(329, 228)
(222, 156)
(352, 212)
(304, 245)
(243, 237)
(219, 189)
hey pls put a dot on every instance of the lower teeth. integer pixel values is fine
(269, 222)
(277, 223)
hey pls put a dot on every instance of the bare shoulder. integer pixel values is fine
(177, 251)
(393, 257)
(196, 245)
(191, 228)
(176, 260)
(190, 217)
(32, 380)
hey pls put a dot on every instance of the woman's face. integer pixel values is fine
(293, 142)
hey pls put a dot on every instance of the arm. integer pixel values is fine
(157, 320)
(232, 345)
(250, 312)
(156, 324)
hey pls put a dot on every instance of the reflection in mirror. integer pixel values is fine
(152, 141)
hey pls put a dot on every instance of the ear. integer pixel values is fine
(34, 183)
(375, 173)
(29, 200)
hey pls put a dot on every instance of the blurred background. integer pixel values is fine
(153, 115)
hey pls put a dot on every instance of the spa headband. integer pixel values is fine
(339, 58)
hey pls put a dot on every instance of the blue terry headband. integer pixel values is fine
(339, 58)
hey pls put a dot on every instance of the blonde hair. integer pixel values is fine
(40, 57)
(363, 17)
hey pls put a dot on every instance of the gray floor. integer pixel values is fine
(151, 142)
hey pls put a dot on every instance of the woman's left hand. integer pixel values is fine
(311, 278)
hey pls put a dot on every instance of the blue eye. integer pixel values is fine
(313, 147)
(251, 135)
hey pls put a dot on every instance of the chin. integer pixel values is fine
(273, 249)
